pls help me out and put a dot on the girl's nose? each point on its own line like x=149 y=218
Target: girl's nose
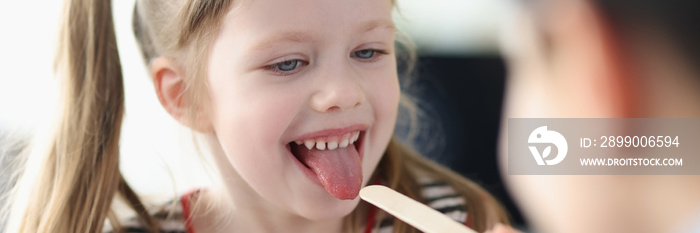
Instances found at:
x=339 y=90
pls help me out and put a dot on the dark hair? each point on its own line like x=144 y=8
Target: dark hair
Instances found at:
x=677 y=20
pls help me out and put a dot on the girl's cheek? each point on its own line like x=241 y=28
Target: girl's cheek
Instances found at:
x=384 y=82
x=389 y=91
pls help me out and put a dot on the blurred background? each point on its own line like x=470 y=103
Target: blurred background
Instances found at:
x=459 y=78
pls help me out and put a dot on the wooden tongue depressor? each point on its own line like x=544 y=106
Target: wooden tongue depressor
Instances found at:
x=410 y=211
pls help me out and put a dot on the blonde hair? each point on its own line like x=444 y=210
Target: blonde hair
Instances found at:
x=79 y=177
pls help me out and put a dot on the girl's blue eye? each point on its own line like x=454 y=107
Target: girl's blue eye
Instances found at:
x=368 y=55
x=365 y=53
x=287 y=66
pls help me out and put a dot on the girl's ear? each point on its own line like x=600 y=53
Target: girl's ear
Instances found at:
x=169 y=82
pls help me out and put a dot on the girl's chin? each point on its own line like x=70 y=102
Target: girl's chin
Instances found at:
x=325 y=210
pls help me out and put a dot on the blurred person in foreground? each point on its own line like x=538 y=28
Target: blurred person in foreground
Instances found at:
x=604 y=59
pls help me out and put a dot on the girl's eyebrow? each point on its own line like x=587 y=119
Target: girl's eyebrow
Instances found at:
x=301 y=36
x=291 y=36
x=379 y=23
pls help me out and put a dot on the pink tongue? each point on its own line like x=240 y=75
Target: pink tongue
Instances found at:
x=339 y=170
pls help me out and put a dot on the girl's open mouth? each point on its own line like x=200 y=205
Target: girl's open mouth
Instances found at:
x=336 y=160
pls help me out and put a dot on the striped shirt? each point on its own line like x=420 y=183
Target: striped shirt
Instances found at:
x=438 y=195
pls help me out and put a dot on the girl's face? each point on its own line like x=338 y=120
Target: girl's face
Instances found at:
x=312 y=72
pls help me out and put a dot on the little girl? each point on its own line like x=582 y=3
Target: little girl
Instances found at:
x=298 y=102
